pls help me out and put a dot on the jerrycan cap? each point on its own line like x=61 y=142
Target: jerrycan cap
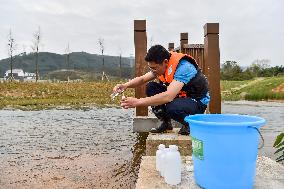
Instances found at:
x=173 y=147
x=161 y=147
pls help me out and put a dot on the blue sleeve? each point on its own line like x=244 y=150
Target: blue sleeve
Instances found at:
x=206 y=99
x=185 y=72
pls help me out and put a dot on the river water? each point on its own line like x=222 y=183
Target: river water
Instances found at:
x=272 y=112
x=91 y=148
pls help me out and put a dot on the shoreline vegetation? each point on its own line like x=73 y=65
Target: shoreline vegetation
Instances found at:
x=258 y=89
x=81 y=95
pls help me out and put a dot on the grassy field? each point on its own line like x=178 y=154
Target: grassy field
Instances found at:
x=49 y=95
x=258 y=89
x=30 y=96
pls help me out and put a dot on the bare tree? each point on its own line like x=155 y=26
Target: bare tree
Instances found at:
x=262 y=63
x=120 y=62
x=151 y=41
x=24 y=49
x=102 y=48
x=35 y=47
x=120 y=74
x=11 y=49
x=259 y=65
x=67 y=60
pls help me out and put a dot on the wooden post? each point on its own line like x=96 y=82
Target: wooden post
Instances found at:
x=171 y=47
x=183 y=41
x=140 y=42
x=212 y=63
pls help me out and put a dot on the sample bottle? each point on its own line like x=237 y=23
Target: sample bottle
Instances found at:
x=158 y=156
x=163 y=161
x=172 y=171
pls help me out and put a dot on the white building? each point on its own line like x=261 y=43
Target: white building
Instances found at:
x=19 y=74
x=30 y=76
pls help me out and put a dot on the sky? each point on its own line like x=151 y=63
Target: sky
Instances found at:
x=249 y=29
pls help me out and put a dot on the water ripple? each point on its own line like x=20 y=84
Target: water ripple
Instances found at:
x=59 y=148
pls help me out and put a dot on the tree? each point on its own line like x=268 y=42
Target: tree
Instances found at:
x=258 y=66
x=278 y=70
x=231 y=71
x=120 y=63
x=35 y=47
x=151 y=41
x=67 y=59
x=246 y=75
x=11 y=49
x=102 y=48
x=24 y=50
x=120 y=66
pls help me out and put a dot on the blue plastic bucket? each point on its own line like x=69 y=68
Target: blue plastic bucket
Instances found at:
x=224 y=149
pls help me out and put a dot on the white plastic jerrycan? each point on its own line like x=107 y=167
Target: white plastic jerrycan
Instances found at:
x=163 y=162
x=158 y=156
x=172 y=171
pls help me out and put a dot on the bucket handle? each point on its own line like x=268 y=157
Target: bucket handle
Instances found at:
x=262 y=139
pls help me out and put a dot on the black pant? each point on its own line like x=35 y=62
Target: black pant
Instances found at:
x=177 y=109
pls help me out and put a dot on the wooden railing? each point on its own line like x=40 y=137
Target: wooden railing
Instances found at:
x=207 y=56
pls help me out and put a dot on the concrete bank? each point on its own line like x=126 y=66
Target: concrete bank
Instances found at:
x=269 y=175
x=171 y=137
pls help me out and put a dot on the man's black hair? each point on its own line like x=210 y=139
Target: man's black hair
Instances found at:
x=157 y=54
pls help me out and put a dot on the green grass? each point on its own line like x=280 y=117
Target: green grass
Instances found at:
x=263 y=90
x=228 y=85
x=49 y=95
x=31 y=96
x=260 y=89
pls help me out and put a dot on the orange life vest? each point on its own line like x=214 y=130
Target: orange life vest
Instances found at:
x=175 y=58
x=172 y=66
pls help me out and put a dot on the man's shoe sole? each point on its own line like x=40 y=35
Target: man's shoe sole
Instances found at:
x=183 y=133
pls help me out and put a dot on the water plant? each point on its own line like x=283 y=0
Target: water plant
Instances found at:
x=279 y=145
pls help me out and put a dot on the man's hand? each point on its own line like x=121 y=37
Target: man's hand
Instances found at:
x=119 y=88
x=129 y=102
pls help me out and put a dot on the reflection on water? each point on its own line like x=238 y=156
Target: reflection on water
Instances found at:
x=69 y=148
x=90 y=149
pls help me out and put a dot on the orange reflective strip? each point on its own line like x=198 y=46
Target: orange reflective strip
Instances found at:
x=182 y=94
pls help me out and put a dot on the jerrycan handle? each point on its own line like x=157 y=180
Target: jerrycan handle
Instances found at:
x=262 y=139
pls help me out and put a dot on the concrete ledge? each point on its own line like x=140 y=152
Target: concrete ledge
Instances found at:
x=148 y=177
x=146 y=123
x=171 y=137
x=269 y=174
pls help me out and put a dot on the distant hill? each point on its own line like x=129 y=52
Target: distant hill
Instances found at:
x=79 y=61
